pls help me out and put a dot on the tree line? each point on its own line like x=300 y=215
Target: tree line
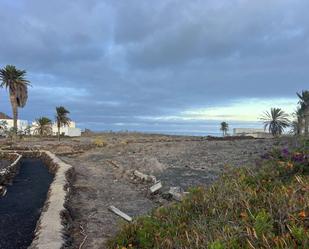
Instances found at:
x=276 y=120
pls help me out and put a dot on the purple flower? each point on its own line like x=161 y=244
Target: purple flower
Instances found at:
x=285 y=152
x=265 y=156
x=298 y=157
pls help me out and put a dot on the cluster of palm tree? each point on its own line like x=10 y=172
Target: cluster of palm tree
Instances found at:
x=43 y=125
x=277 y=120
x=15 y=81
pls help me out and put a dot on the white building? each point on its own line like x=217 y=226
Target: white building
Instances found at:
x=21 y=124
x=253 y=132
x=70 y=130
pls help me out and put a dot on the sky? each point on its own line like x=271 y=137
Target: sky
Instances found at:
x=157 y=66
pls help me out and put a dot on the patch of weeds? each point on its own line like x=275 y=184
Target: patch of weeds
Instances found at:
x=99 y=142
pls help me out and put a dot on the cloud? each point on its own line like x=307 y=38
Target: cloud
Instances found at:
x=121 y=62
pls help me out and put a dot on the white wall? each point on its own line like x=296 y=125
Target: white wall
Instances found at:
x=70 y=130
x=74 y=132
x=247 y=130
x=21 y=124
x=257 y=133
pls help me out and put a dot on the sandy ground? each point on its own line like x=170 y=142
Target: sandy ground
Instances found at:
x=104 y=176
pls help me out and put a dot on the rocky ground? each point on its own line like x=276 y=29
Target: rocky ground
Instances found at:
x=104 y=175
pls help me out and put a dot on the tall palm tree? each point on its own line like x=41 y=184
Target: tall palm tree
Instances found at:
x=224 y=128
x=14 y=79
x=276 y=121
x=298 y=122
x=43 y=126
x=304 y=106
x=62 y=118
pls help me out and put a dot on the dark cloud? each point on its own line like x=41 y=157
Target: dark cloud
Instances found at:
x=115 y=62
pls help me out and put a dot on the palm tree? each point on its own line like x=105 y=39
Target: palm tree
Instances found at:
x=224 y=128
x=297 y=124
x=304 y=107
x=43 y=126
x=62 y=118
x=295 y=127
x=14 y=79
x=276 y=121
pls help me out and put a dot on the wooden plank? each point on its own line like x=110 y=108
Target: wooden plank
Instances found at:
x=156 y=187
x=120 y=213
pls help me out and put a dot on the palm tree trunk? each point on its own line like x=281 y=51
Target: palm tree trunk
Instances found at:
x=15 y=111
x=307 y=121
x=300 y=125
x=58 y=133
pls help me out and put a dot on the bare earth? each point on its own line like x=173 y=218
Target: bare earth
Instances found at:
x=104 y=176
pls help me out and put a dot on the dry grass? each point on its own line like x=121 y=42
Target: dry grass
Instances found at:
x=99 y=142
x=266 y=207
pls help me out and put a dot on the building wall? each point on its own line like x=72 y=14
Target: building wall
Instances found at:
x=257 y=133
x=74 y=132
x=247 y=130
x=69 y=130
x=21 y=124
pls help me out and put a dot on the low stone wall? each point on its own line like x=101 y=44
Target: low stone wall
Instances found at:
x=8 y=173
x=51 y=229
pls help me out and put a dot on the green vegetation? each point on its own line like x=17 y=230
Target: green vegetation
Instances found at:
x=297 y=123
x=62 y=118
x=14 y=79
x=264 y=207
x=3 y=127
x=224 y=128
x=303 y=110
x=275 y=121
x=43 y=126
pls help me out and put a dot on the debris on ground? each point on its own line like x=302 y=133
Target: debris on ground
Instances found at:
x=120 y=213
x=156 y=187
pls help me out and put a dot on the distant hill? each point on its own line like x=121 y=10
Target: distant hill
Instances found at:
x=4 y=116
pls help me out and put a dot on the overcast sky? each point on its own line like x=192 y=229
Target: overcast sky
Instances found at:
x=164 y=65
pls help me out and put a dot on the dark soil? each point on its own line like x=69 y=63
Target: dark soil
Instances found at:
x=4 y=163
x=21 y=207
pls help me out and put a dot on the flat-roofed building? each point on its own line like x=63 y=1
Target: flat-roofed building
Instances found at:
x=69 y=130
x=252 y=132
